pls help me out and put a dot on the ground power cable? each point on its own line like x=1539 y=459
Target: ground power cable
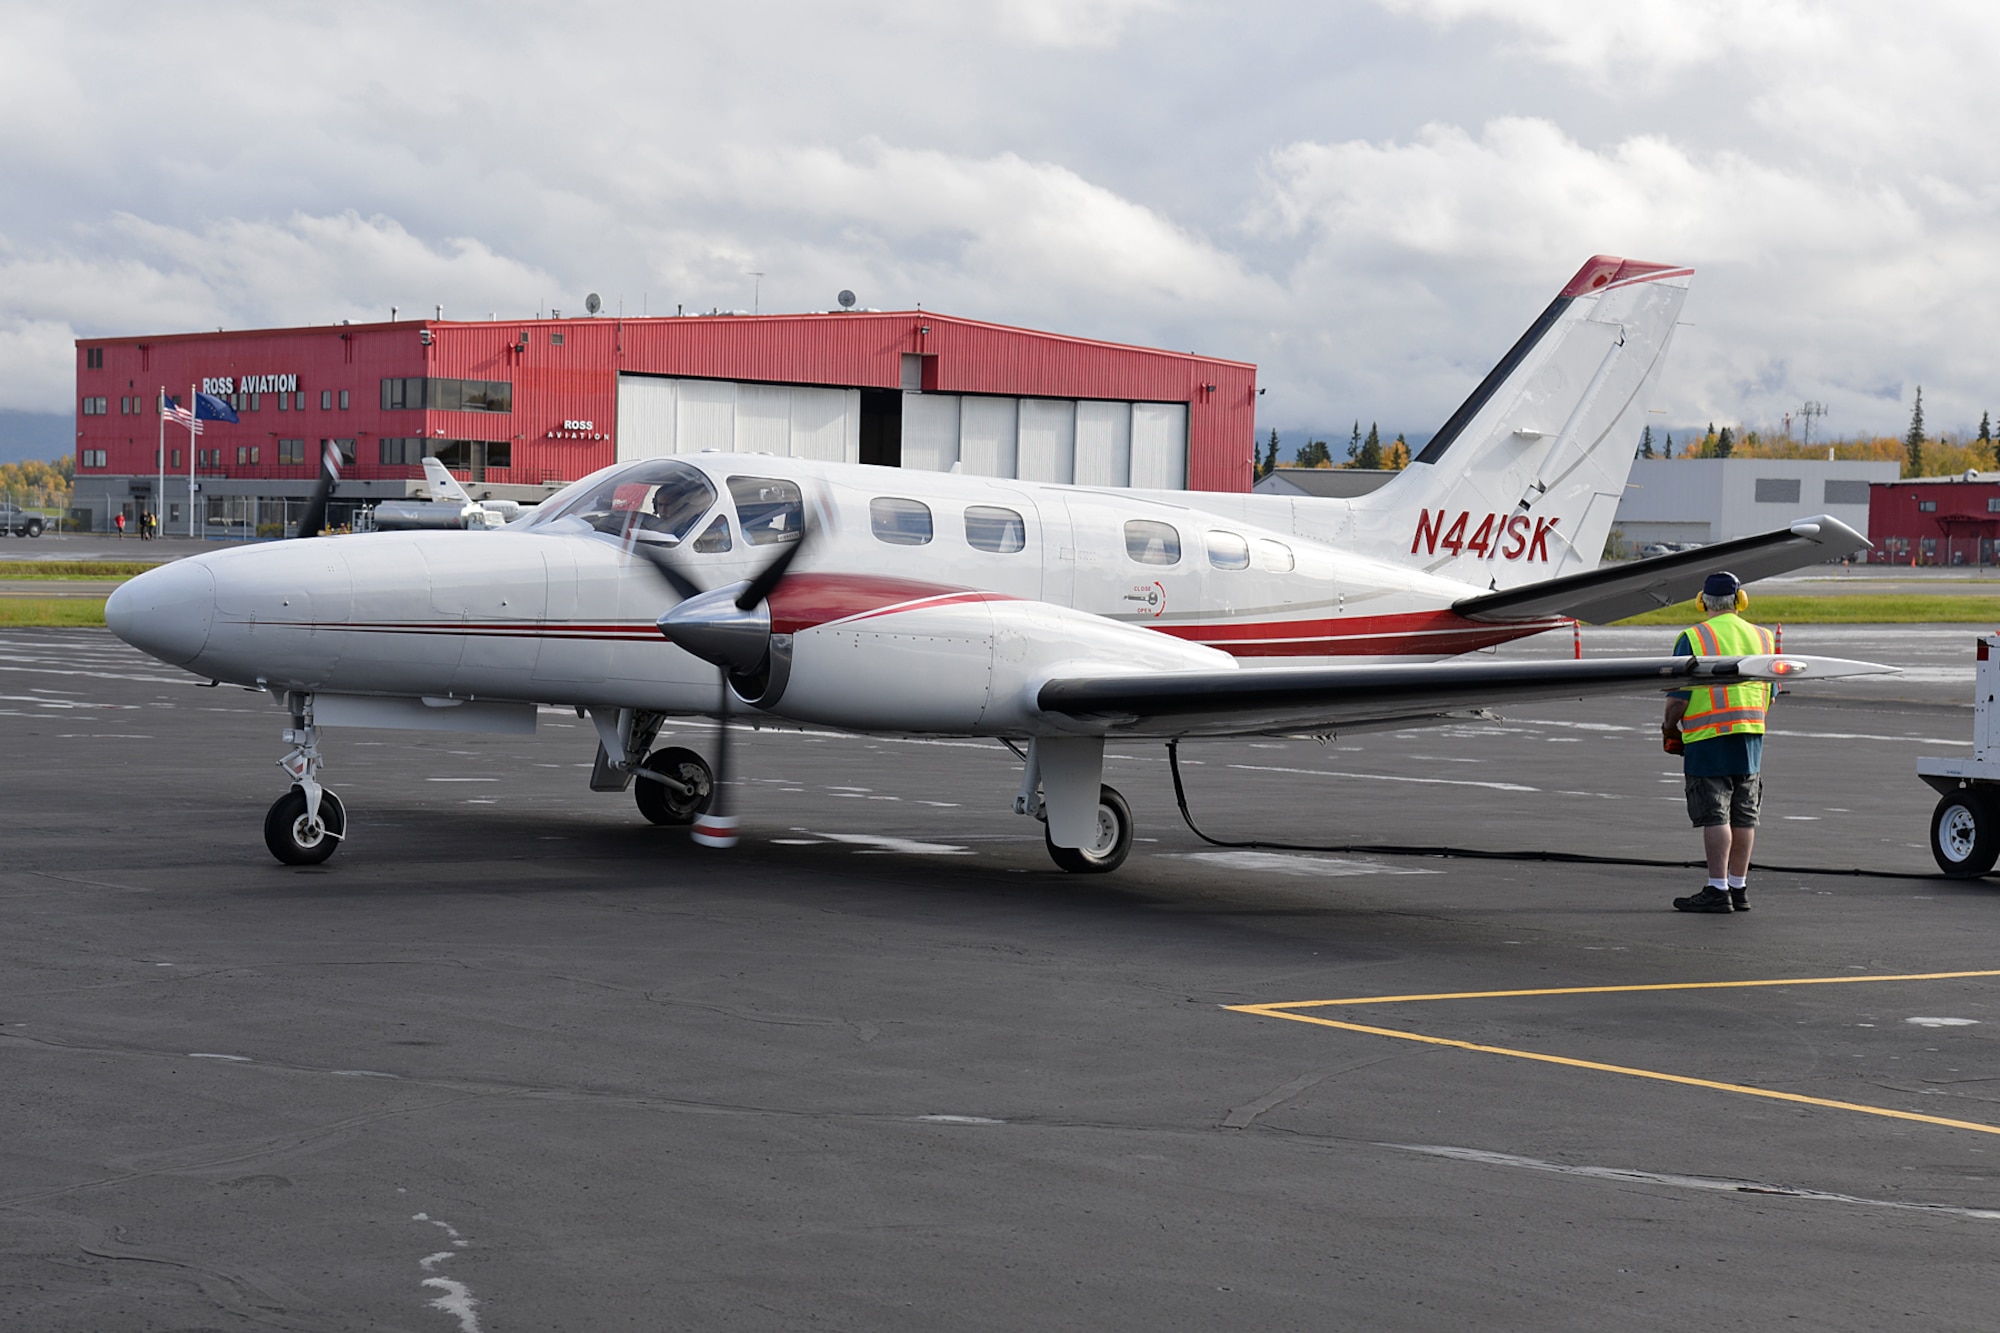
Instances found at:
x=1483 y=854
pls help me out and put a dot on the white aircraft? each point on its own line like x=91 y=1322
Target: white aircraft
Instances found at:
x=915 y=603
x=449 y=506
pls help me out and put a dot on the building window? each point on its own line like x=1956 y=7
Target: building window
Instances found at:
x=555 y=340
x=1152 y=543
x=93 y=358
x=900 y=522
x=1777 y=490
x=1845 y=493
x=284 y=402
x=255 y=450
x=1993 y=505
x=442 y=395
x=1226 y=550
x=254 y=400
x=299 y=401
x=407 y=451
x=1927 y=506
x=326 y=400
x=343 y=400
x=291 y=451
x=177 y=458
x=93 y=458
x=96 y=407
x=991 y=528
x=242 y=454
x=1929 y=549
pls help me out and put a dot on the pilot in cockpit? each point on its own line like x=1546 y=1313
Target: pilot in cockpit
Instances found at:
x=675 y=508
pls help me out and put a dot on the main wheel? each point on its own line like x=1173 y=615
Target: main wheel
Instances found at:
x=1110 y=844
x=661 y=803
x=297 y=840
x=1965 y=833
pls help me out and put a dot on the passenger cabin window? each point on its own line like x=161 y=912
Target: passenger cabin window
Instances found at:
x=1152 y=543
x=991 y=528
x=1226 y=550
x=659 y=496
x=1275 y=556
x=900 y=522
x=715 y=537
x=769 y=510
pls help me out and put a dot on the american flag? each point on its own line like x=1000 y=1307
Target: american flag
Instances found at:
x=177 y=414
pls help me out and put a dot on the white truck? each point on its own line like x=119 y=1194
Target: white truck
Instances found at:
x=1965 y=827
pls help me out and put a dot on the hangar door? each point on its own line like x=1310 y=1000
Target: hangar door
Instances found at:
x=660 y=415
x=1085 y=442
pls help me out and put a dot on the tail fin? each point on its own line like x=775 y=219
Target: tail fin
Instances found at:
x=1521 y=484
x=443 y=485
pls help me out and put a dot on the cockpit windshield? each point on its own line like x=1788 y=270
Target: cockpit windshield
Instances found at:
x=660 y=496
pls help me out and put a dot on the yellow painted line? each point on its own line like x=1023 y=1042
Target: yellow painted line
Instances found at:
x=1287 y=1009
x=1606 y=990
x=1279 y=1011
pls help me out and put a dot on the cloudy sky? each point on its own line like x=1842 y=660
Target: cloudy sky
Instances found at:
x=1368 y=198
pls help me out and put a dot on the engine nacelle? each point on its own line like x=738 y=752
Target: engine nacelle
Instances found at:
x=972 y=663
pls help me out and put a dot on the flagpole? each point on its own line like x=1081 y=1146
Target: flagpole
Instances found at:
x=160 y=495
x=194 y=423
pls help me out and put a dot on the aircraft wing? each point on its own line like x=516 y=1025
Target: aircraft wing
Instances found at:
x=1617 y=591
x=1255 y=701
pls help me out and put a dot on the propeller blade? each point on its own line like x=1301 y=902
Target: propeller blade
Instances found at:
x=662 y=560
x=769 y=576
x=715 y=826
x=314 y=518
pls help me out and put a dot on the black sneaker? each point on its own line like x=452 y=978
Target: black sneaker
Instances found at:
x=1710 y=899
x=1739 y=900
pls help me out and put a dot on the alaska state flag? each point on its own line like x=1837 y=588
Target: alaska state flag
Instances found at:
x=207 y=407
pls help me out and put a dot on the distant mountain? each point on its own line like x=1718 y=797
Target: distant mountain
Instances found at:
x=45 y=436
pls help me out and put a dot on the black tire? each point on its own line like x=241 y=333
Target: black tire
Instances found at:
x=34 y=528
x=1114 y=843
x=294 y=841
x=1965 y=833
x=662 y=804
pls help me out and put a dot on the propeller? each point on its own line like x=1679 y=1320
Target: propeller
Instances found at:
x=731 y=628
x=314 y=518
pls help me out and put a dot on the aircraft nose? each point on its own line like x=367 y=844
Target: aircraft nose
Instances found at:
x=166 y=612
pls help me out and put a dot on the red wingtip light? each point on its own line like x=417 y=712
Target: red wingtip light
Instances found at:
x=1787 y=667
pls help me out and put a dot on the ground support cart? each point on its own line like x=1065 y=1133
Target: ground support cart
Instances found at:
x=1965 y=827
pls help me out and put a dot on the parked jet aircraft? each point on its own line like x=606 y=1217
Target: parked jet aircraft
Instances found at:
x=914 y=603
x=448 y=507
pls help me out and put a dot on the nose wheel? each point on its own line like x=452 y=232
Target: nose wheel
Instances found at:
x=300 y=837
x=674 y=786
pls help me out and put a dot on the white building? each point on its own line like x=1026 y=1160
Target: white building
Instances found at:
x=1716 y=499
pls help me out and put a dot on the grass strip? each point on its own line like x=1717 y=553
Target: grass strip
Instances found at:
x=11 y=570
x=50 y=612
x=1860 y=609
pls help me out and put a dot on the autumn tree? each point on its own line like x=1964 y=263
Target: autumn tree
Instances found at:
x=1398 y=456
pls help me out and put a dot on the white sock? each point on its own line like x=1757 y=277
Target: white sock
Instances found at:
x=1737 y=882
x=1718 y=885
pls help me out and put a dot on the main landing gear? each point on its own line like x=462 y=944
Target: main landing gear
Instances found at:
x=1065 y=770
x=674 y=786
x=308 y=823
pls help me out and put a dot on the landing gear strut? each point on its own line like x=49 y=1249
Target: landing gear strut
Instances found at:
x=307 y=824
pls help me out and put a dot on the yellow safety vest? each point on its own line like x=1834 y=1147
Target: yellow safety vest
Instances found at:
x=1712 y=711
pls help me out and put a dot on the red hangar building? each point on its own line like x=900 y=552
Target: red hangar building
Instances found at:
x=1936 y=520
x=519 y=408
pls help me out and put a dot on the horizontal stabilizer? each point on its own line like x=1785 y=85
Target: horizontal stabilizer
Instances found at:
x=1618 y=591
x=1247 y=702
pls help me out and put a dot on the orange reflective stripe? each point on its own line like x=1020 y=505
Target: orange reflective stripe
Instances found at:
x=1710 y=646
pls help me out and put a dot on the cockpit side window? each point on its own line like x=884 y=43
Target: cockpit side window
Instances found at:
x=658 y=496
x=715 y=537
x=769 y=510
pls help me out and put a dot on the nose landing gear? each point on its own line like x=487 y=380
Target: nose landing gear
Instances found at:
x=307 y=824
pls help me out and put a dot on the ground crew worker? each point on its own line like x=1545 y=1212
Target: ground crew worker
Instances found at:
x=1719 y=733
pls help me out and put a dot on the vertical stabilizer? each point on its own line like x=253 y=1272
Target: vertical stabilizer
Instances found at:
x=1522 y=481
x=443 y=485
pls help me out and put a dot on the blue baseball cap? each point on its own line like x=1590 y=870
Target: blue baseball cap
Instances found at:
x=1722 y=583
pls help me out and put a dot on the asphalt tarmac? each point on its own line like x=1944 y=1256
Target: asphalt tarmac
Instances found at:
x=515 y=1059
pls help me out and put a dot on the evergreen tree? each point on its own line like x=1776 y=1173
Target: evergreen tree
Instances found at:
x=1668 y=452
x=1646 y=443
x=1913 y=442
x=1370 y=456
x=1986 y=434
x=1398 y=456
x=1313 y=453
x=1354 y=442
x=1725 y=443
x=1269 y=462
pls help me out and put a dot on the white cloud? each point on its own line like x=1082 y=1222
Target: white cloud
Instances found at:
x=1073 y=23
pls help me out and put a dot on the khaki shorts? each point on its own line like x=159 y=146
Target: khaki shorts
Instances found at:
x=1730 y=800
